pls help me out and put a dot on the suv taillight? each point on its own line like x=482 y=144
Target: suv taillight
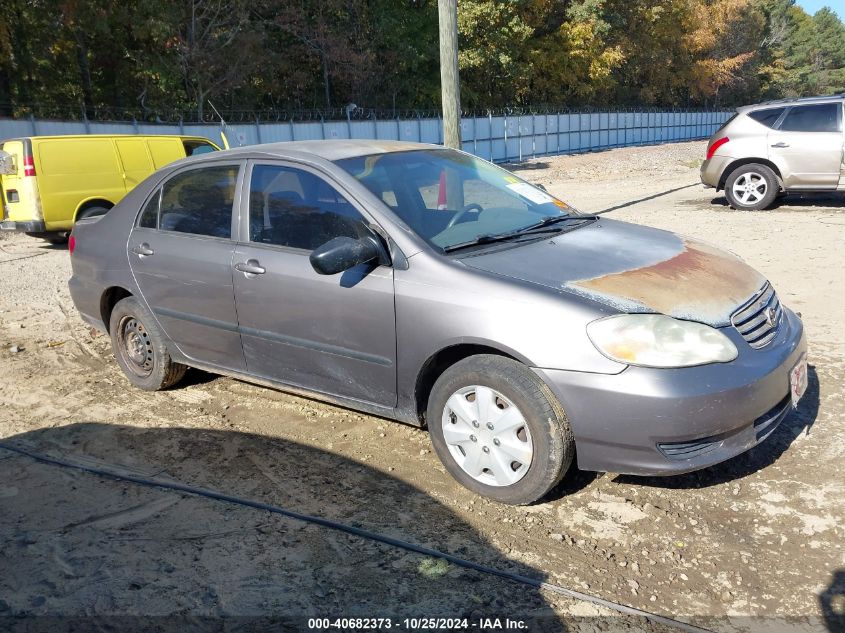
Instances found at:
x=716 y=145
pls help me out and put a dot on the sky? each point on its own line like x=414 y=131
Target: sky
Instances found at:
x=811 y=6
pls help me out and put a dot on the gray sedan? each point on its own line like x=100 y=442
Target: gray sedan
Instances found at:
x=425 y=285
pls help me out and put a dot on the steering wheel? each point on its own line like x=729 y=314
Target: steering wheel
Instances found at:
x=463 y=212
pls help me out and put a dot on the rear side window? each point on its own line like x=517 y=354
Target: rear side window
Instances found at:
x=767 y=117
x=199 y=201
x=295 y=208
x=822 y=117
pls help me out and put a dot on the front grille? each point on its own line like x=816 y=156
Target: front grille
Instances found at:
x=758 y=320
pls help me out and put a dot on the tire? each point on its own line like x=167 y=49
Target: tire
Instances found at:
x=502 y=383
x=751 y=187
x=139 y=348
x=91 y=212
x=53 y=237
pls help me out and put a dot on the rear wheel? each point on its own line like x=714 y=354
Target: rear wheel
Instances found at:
x=139 y=347
x=499 y=430
x=91 y=212
x=751 y=187
x=54 y=237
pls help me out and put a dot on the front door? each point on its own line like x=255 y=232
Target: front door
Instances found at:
x=807 y=146
x=136 y=161
x=181 y=255
x=333 y=334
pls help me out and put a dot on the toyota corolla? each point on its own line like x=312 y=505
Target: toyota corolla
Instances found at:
x=425 y=285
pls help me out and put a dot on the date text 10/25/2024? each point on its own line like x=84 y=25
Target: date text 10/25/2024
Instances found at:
x=417 y=624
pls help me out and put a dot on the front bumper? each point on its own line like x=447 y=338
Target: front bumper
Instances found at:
x=32 y=226
x=712 y=170
x=646 y=421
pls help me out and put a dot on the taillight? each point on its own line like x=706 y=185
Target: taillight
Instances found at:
x=716 y=145
x=28 y=166
x=71 y=244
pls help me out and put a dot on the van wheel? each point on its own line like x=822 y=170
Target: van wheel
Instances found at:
x=139 y=347
x=499 y=430
x=751 y=187
x=91 y=212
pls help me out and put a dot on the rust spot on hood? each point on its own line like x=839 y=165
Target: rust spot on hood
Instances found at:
x=701 y=283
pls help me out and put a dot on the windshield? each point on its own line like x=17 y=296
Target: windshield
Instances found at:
x=449 y=198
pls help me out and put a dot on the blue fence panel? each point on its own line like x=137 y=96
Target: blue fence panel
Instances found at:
x=496 y=138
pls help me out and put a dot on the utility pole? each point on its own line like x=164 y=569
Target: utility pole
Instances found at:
x=450 y=87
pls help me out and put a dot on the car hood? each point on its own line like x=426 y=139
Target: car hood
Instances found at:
x=633 y=268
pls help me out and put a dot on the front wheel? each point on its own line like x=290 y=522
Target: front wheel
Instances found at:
x=751 y=187
x=499 y=430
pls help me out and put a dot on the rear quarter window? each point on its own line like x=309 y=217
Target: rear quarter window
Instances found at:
x=767 y=117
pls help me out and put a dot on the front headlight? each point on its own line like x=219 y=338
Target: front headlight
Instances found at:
x=657 y=340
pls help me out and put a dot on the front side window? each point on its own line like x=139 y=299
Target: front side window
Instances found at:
x=195 y=148
x=450 y=198
x=822 y=117
x=294 y=208
x=199 y=201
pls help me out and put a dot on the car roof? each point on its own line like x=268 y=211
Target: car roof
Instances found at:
x=792 y=101
x=335 y=149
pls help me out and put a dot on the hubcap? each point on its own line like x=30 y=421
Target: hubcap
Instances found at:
x=487 y=436
x=750 y=188
x=135 y=346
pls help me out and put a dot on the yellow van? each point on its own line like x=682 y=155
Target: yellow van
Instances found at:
x=50 y=182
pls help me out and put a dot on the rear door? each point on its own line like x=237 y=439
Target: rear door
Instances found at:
x=807 y=146
x=181 y=252
x=18 y=204
x=333 y=334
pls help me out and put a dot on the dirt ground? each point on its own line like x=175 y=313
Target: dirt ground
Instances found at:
x=754 y=544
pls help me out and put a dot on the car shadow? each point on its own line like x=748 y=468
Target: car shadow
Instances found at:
x=84 y=551
x=832 y=602
x=764 y=454
x=832 y=199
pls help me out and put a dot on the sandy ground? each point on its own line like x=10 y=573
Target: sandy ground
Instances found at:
x=754 y=544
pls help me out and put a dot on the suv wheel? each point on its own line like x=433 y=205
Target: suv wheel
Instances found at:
x=499 y=430
x=751 y=187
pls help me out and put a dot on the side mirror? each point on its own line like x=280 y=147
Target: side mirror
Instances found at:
x=342 y=253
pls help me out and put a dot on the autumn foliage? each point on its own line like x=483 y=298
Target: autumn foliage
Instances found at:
x=151 y=56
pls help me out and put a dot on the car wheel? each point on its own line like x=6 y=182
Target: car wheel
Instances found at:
x=499 y=430
x=91 y=212
x=139 y=347
x=751 y=187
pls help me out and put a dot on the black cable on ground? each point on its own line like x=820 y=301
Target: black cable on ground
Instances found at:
x=115 y=473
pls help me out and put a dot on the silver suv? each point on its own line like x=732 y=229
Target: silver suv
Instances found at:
x=777 y=147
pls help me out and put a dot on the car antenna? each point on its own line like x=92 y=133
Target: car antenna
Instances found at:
x=222 y=126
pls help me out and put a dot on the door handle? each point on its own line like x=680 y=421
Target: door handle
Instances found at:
x=143 y=250
x=250 y=267
x=781 y=144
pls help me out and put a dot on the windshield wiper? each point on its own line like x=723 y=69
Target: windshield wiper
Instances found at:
x=543 y=226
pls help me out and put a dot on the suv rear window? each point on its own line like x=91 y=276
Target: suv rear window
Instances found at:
x=767 y=117
x=821 y=117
